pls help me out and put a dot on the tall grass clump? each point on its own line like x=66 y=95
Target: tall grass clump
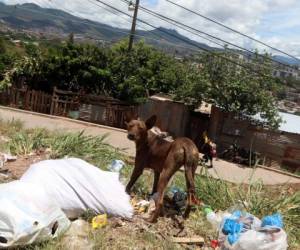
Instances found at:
x=90 y=148
x=25 y=142
x=93 y=149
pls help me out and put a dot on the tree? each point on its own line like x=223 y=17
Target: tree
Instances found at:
x=130 y=77
x=143 y=71
x=2 y=46
x=6 y=61
x=71 y=38
x=234 y=88
x=31 y=49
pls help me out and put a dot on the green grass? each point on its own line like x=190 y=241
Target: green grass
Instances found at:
x=58 y=144
x=220 y=195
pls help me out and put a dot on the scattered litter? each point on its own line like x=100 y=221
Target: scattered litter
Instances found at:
x=191 y=240
x=116 y=166
x=5 y=176
x=268 y=239
x=140 y=206
x=99 y=221
x=176 y=199
x=77 y=237
x=6 y=158
x=77 y=186
x=274 y=220
x=151 y=207
x=239 y=230
x=28 y=215
x=214 y=219
x=143 y=206
x=214 y=244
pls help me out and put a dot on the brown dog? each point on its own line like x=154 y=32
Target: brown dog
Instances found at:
x=165 y=158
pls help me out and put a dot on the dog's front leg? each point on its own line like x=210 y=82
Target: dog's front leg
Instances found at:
x=137 y=171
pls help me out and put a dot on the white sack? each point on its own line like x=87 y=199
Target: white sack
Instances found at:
x=28 y=215
x=77 y=186
x=255 y=240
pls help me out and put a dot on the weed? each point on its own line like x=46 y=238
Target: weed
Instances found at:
x=25 y=142
x=89 y=148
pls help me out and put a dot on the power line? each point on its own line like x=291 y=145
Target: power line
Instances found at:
x=142 y=21
x=205 y=38
x=190 y=42
x=176 y=23
x=234 y=30
x=163 y=31
x=116 y=13
x=163 y=40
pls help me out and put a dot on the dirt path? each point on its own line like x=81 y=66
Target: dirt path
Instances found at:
x=117 y=138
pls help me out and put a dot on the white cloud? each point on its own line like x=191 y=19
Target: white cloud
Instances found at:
x=247 y=16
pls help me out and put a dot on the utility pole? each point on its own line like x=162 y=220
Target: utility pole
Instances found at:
x=131 y=37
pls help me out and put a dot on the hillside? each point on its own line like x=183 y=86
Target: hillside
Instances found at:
x=47 y=22
x=53 y=22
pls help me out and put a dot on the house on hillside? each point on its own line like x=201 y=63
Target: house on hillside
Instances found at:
x=285 y=72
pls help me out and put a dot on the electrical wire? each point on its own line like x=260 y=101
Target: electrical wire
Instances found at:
x=234 y=30
x=179 y=24
x=191 y=43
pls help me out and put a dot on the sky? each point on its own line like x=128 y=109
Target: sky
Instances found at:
x=275 y=22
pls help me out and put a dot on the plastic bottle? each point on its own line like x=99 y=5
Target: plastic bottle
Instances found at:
x=213 y=218
x=116 y=165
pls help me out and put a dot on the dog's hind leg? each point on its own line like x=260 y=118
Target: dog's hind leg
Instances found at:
x=155 y=182
x=190 y=184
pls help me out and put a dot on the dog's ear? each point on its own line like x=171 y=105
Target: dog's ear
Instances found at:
x=129 y=116
x=151 y=122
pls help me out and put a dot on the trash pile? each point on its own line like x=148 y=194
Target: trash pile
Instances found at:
x=239 y=230
x=39 y=205
x=174 y=200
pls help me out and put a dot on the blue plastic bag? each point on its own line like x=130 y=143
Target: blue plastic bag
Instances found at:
x=274 y=220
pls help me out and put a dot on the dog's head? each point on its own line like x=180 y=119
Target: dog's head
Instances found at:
x=137 y=129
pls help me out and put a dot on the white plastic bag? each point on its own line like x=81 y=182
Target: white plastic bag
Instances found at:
x=27 y=215
x=76 y=186
x=271 y=239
